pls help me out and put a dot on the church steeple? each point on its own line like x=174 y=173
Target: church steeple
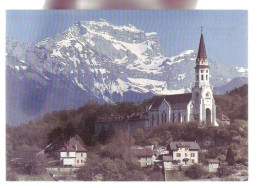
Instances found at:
x=202 y=49
x=202 y=67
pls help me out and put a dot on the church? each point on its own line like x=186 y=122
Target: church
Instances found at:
x=196 y=106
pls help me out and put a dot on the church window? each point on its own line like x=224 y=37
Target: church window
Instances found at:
x=162 y=118
x=202 y=78
x=173 y=117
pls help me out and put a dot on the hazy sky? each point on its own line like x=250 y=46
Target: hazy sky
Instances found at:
x=225 y=32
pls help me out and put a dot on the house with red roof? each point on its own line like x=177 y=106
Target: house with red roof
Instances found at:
x=73 y=154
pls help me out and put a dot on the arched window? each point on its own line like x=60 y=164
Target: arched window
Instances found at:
x=173 y=118
x=162 y=118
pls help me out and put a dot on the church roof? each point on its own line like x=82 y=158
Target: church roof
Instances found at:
x=202 y=49
x=175 y=101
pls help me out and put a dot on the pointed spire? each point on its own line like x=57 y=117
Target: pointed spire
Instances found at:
x=202 y=49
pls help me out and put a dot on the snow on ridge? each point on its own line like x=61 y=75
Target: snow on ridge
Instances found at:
x=241 y=69
x=187 y=52
x=146 y=82
x=79 y=84
x=151 y=34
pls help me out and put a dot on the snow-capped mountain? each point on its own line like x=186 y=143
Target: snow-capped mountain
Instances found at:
x=98 y=61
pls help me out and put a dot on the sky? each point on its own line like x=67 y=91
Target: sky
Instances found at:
x=225 y=31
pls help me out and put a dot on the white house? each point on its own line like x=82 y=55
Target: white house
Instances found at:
x=184 y=153
x=73 y=154
x=197 y=105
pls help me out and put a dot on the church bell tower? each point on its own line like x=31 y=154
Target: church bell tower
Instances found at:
x=204 y=108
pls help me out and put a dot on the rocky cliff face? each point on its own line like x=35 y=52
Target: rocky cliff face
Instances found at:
x=97 y=61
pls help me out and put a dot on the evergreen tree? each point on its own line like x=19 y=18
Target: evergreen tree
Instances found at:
x=230 y=156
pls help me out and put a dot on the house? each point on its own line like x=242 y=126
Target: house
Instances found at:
x=224 y=119
x=199 y=105
x=145 y=156
x=167 y=162
x=73 y=154
x=184 y=153
x=212 y=165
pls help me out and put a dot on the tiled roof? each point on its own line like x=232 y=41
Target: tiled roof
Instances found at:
x=116 y=118
x=176 y=101
x=143 y=152
x=191 y=145
x=167 y=158
x=202 y=49
x=73 y=145
x=213 y=161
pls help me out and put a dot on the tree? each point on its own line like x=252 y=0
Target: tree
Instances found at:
x=194 y=171
x=230 y=158
x=29 y=160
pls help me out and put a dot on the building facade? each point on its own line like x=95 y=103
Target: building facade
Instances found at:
x=73 y=154
x=129 y=123
x=184 y=153
x=198 y=105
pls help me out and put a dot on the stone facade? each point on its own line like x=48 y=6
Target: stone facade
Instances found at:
x=129 y=123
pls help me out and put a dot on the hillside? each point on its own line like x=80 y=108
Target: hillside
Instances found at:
x=53 y=129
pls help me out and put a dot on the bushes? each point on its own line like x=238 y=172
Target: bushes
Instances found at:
x=195 y=171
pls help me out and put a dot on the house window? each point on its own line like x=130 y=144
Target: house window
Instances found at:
x=206 y=77
x=202 y=77
x=68 y=154
x=186 y=149
x=186 y=154
x=77 y=161
x=202 y=71
x=178 y=155
x=192 y=154
x=81 y=161
x=207 y=71
x=192 y=160
x=81 y=154
x=173 y=117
